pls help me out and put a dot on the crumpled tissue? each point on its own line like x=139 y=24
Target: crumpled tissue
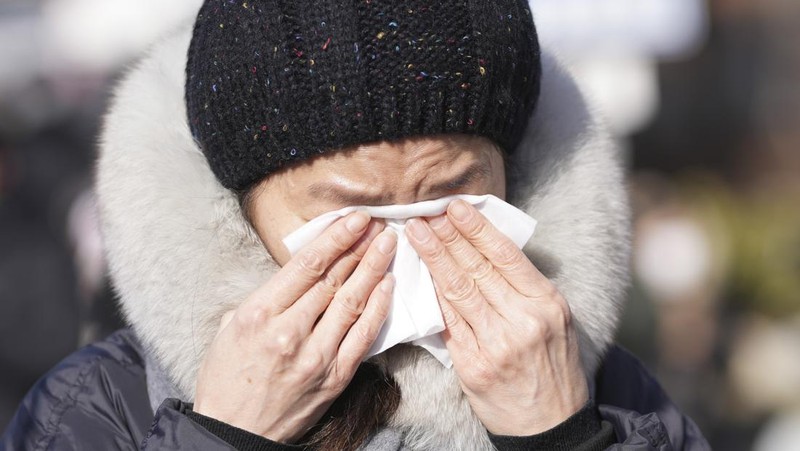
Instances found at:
x=415 y=315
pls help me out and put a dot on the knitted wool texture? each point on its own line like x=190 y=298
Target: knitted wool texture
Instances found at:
x=274 y=82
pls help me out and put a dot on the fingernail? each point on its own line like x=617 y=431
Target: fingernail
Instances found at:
x=417 y=230
x=437 y=222
x=387 y=284
x=357 y=221
x=387 y=242
x=459 y=210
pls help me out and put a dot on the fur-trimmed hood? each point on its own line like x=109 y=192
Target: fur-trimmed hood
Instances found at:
x=181 y=253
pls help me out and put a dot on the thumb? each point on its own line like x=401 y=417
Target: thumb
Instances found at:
x=225 y=320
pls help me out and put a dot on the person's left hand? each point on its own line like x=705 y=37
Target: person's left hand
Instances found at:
x=509 y=331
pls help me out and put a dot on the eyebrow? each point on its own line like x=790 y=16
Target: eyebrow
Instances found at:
x=336 y=193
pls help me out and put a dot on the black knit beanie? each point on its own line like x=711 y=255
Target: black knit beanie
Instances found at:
x=272 y=82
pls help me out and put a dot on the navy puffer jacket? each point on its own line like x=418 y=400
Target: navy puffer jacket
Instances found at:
x=97 y=399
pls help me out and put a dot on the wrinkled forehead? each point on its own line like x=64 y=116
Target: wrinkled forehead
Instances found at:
x=439 y=163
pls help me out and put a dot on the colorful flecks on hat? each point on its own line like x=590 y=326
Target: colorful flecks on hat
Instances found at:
x=274 y=82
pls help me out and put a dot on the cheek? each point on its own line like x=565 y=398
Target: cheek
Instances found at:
x=272 y=225
x=273 y=244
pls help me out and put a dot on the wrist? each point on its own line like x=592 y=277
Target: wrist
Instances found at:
x=534 y=419
x=251 y=421
x=582 y=430
x=237 y=437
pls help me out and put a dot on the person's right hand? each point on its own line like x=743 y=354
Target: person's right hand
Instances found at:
x=283 y=356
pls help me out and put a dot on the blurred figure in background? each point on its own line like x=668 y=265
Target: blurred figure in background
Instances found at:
x=47 y=154
x=59 y=59
x=723 y=153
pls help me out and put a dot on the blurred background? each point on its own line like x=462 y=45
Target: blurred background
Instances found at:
x=703 y=94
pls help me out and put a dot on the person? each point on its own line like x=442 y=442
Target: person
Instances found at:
x=234 y=133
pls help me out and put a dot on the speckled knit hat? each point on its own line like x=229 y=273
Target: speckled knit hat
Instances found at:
x=277 y=81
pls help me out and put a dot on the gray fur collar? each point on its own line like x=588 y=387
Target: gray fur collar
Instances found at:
x=181 y=254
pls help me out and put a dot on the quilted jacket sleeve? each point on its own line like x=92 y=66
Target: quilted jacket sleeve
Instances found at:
x=644 y=417
x=96 y=399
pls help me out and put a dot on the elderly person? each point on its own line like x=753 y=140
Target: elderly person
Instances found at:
x=231 y=136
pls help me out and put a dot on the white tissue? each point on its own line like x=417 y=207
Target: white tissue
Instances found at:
x=415 y=315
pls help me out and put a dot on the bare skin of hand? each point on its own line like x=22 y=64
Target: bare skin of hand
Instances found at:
x=509 y=330
x=282 y=357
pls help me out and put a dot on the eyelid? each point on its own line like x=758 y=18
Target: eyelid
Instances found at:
x=473 y=180
x=459 y=183
x=317 y=212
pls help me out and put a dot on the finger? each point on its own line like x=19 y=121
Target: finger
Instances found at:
x=349 y=302
x=458 y=336
x=314 y=301
x=306 y=268
x=455 y=286
x=493 y=286
x=498 y=249
x=364 y=332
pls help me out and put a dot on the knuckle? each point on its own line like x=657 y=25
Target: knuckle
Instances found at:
x=284 y=344
x=507 y=256
x=311 y=364
x=482 y=377
x=478 y=228
x=307 y=317
x=459 y=288
x=480 y=268
x=312 y=262
x=342 y=239
x=560 y=314
x=350 y=305
x=337 y=381
x=548 y=293
x=450 y=317
x=438 y=253
x=375 y=264
x=330 y=283
x=460 y=334
x=502 y=353
x=537 y=329
x=449 y=236
x=366 y=333
x=253 y=318
x=505 y=350
x=358 y=250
